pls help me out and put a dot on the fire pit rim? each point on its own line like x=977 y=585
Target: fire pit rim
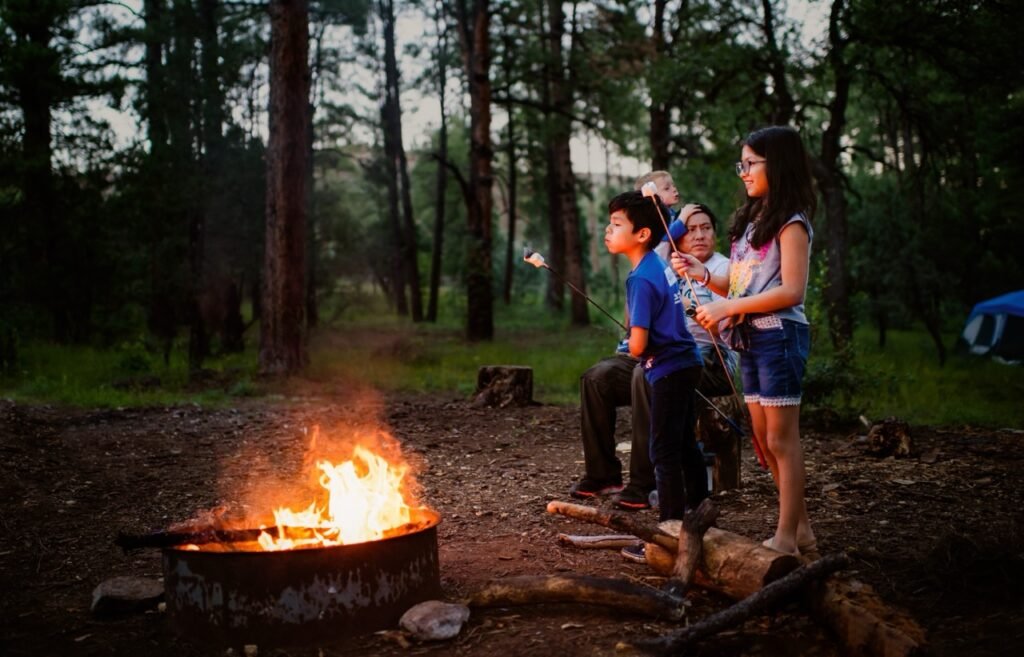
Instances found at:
x=429 y=518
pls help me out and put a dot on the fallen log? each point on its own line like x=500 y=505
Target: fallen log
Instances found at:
x=614 y=593
x=732 y=564
x=770 y=597
x=615 y=520
x=598 y=542
x=861 y=621
x=864 y=624
x=691 y=542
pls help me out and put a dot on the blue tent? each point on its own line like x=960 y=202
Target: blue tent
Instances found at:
x=996 y=327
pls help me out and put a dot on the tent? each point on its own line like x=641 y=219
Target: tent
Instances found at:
x=996 y=328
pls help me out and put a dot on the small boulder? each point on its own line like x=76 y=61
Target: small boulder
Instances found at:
x=434 y=620
x=121 y=595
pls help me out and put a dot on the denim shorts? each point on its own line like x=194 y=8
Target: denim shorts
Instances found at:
x=772 y=367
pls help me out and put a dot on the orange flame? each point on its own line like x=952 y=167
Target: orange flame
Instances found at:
x=364 y=502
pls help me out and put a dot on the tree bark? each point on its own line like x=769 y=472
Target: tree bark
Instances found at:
x=659 y=110
x=510 y=150
x=829 y=173
x=474 y=32
x=564 y=215
x=282 y=326
x=441 y=185
x=398 y=165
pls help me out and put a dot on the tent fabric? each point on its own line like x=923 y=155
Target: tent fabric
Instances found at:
x=1011 y=303
x=996 y=327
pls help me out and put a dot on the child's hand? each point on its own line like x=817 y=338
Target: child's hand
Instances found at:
x=713 y=312
x=684 y=263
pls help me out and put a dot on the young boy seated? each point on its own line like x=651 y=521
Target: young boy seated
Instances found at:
x=667 y=352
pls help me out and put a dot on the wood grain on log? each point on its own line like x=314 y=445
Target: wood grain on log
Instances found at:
x=615 y=593
x=599 y=542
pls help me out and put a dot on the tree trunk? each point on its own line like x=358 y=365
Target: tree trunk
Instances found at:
x=510 y=149
x=282 y=329
x=828 y=171
x=565 y=217
x=441 y=186
x=659 y=110
x=476 y=50
x=783 y=105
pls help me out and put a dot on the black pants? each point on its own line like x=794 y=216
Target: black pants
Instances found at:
x=611 y=383
x=678 y=463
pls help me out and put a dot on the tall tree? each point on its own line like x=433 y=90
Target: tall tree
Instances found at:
x=474 y=22
x=564 y=213
x=398 y=165
x=441 y=184
x=282 y=325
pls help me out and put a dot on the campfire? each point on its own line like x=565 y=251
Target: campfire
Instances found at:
x=348 y=561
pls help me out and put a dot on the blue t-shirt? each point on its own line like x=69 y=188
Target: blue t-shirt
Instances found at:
x=654 y=303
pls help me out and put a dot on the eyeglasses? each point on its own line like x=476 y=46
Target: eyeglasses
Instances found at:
x=744 y=166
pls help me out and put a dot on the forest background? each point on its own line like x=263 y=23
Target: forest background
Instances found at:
x=271 y=179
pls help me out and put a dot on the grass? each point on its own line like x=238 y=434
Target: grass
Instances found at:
x=905 y=379
x=122 y=377
x=394 y=354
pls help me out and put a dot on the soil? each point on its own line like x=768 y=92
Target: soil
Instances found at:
x=938 y=533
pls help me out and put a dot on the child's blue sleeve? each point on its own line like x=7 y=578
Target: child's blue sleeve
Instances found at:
x=638 y=300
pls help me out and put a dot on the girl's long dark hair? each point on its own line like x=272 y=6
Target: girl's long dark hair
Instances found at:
x=790 y=185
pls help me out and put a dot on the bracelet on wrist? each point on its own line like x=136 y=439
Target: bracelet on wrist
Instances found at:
x=707 y=276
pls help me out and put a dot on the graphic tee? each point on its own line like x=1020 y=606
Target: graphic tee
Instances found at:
x=655 y=304
x=753 y=271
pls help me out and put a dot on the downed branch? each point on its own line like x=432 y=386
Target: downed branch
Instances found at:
x=615 y=593
x=768 y=598
x=615 y=520
x=691 y=541
x=598 y=542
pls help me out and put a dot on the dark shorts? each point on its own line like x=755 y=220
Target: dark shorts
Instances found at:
x=772 y=367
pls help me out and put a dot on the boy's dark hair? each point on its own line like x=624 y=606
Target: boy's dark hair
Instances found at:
x=642 y=213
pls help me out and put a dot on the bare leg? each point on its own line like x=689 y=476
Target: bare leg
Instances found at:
x=759 y=426
x=783 y=438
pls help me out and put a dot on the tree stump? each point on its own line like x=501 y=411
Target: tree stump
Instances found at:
x=719 y=438
x=503 y=385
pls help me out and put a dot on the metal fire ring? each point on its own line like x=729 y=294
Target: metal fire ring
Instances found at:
x=300 y=597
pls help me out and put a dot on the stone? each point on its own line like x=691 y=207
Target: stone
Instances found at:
x=434 y=620
x=121 y=595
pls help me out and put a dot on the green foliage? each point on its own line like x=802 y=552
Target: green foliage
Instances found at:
x=128 y=375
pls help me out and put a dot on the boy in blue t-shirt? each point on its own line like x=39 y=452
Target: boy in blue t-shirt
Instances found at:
x=667 y=352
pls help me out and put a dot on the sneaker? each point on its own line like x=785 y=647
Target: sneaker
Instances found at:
x=633 y=499
x=586 y=488
x=635 y=553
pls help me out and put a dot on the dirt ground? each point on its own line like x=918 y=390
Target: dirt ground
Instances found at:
x=938 y=533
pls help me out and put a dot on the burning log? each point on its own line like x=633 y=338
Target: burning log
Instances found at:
x=503 y=385
x=770 y=597
x=614 y=593
x=732 y=564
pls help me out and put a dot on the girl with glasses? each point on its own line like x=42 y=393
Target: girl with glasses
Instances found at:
x=771 y=238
